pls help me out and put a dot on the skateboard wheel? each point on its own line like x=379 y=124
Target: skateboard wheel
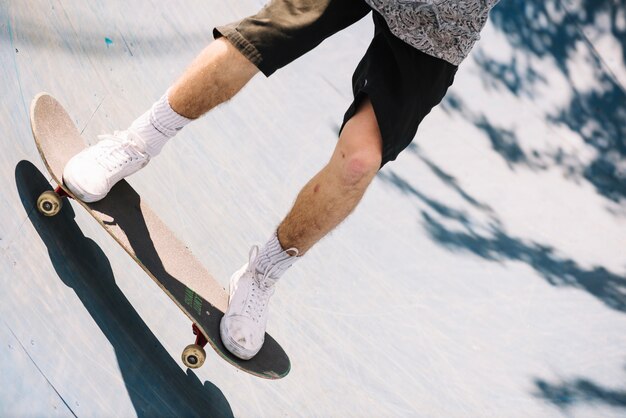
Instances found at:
x=49 y=203
x=193 y=356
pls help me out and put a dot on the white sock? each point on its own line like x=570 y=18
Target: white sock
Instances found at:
x=271 y=254
x=158 y=125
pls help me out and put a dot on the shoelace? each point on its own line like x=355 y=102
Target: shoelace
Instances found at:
x=261 y=289
x=122 y=151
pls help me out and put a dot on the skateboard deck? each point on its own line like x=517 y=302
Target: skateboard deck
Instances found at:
x=129 y=220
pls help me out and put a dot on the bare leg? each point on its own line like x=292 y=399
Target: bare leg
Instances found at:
x=331 y=195
x=218 y=73
x=214 y=77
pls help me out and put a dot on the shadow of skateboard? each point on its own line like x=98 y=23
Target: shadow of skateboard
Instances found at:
x=150 y=243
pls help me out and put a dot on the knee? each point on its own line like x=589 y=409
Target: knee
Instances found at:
x=360 y=167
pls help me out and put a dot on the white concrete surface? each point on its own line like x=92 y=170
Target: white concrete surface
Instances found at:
x=484 y=274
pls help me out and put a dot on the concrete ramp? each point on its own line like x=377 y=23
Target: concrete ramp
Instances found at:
x=484 y=273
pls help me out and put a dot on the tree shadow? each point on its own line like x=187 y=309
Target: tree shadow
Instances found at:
x=543 y=35
x=600 y=117
x=566 y=394
x=550 y=30
x=445 y=178
x=459 y=230
x=493 y=243
x=155 y=382
x=503 y=140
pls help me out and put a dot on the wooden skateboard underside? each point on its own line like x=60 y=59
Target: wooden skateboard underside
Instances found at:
x=149 y=242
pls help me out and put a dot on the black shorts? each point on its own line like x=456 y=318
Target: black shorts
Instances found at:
x=402 y=83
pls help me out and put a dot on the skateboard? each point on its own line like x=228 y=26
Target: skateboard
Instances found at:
x=165 y=259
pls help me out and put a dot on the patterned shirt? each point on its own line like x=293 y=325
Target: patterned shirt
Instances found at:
x=446 y=29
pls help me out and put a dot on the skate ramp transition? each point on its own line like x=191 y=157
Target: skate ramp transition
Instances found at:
x=483 y=274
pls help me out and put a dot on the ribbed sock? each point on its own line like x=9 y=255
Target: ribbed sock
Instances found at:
x=271 y=254
x=158 y=125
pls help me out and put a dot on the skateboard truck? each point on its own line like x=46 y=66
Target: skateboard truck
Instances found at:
x=194 y=355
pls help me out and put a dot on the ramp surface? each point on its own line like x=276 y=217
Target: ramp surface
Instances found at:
x=482 y=275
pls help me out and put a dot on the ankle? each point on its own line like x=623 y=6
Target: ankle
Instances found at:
x=158 y=125
x=273 y=259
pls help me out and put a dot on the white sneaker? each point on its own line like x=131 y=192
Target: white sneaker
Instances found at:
x=243 y=326
x=91 y=173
